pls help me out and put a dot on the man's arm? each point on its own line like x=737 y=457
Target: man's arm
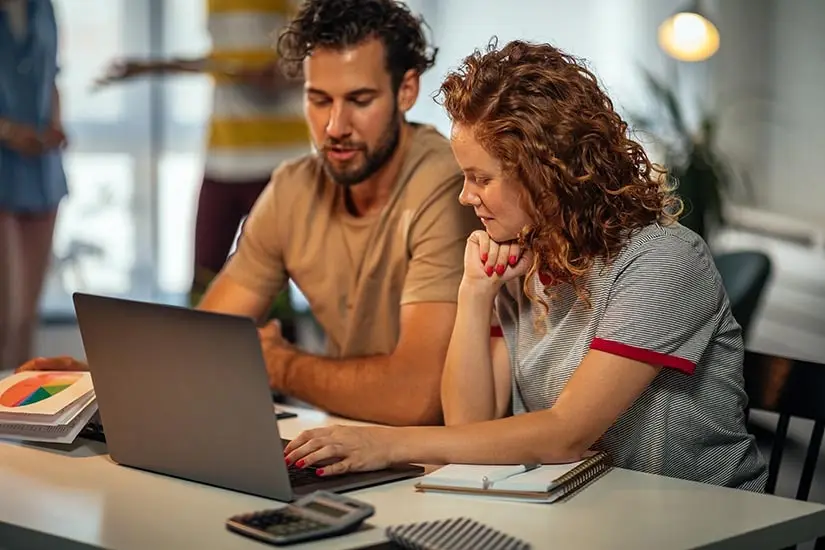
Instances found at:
x=397 y=389
x=125 y=69
x=226 y=296
x=267 y=78
x=402 y=388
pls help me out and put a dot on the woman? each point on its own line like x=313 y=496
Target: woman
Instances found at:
x=617 y=332
x=32 y=181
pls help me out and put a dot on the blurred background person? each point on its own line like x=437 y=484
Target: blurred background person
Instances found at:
x=256 y=123
x=32 y=179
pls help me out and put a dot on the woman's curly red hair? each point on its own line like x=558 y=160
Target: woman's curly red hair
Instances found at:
x=542 y=115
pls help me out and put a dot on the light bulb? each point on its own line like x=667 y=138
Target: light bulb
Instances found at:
x=688 y=36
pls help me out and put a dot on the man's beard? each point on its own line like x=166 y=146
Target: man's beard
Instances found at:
x=373 y=160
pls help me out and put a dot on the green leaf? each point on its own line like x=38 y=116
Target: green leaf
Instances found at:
x=667 y=97
x=706 y=176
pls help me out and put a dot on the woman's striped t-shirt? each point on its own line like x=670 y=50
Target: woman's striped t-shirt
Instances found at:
x=661 y=301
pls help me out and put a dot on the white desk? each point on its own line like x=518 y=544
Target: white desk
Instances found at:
x=84 y=500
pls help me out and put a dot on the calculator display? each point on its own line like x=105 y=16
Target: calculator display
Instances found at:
x=326 y=510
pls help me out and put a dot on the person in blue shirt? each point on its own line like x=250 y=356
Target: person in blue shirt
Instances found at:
x=32 y=179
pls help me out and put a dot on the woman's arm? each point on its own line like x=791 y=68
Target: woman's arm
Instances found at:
x=21 y=138
x=600 y=390
x=57 y=115
x=475 y=384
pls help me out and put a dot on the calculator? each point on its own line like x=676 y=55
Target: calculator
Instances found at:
x=318 y=515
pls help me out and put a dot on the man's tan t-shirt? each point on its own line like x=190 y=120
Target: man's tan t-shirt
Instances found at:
x=356 y=273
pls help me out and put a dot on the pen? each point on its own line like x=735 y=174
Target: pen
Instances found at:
x=505 y=472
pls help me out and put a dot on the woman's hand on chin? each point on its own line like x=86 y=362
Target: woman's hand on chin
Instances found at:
x=489 y=264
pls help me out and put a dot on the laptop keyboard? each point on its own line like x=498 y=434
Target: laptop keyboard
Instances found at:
x=302 y=476
x=298 y=477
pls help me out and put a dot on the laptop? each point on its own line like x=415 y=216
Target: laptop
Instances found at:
x=185 y=393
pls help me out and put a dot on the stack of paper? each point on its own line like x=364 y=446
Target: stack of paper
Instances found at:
x=46 y=405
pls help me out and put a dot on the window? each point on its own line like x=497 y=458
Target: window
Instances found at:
x=103 y=233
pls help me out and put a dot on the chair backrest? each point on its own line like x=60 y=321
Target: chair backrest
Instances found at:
x=790 y=387
x=745 y=275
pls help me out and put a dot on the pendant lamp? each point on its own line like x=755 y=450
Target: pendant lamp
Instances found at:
x=689 y=34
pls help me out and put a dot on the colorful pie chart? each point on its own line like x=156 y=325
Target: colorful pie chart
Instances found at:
x=37 y=388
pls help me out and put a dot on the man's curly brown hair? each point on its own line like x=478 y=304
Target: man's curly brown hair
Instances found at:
x=541 y=113
x=340 y=24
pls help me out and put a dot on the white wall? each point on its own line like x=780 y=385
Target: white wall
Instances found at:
x=796 y=143
x=742 y=82
x=613 y=36
x=772 y=60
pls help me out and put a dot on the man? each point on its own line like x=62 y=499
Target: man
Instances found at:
x=255 y=125
x=369 y=227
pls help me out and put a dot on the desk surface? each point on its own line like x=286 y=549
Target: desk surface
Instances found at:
x=80 y=497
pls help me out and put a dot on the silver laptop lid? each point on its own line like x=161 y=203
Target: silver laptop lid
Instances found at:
x=184 y=393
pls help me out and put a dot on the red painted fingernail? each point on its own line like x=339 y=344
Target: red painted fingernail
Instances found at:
x=500 y=269
x=319 y=471
x=513 y=260
x=287 y=461
x=300 y=463
x=484 y=258
x=489 y=270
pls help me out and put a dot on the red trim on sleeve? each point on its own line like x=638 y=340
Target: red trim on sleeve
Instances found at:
x=643 y=355
x=495 y=332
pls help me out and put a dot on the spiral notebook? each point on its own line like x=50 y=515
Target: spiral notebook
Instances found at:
x=545 y=483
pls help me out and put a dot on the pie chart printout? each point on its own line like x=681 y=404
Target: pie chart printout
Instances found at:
x=37 y=388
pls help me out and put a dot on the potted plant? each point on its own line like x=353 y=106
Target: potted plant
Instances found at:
x=704 y=175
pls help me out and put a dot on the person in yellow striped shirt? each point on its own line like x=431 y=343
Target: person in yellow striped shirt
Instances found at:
x=256 y=123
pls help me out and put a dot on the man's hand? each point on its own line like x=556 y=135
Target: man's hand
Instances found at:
x=122 y=69
x=23 y=139
x=53 y=363
x=277 y=352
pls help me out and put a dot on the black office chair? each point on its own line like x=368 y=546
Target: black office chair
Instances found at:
x=745 y=275
x=790 y=388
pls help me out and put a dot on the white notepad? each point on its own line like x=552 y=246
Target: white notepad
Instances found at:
x=477 y=476
x=545 y=483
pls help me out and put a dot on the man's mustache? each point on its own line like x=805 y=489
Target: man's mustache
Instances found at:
x=344 y=146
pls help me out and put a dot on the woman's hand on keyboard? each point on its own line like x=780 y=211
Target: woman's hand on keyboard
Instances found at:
x=352 y=448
